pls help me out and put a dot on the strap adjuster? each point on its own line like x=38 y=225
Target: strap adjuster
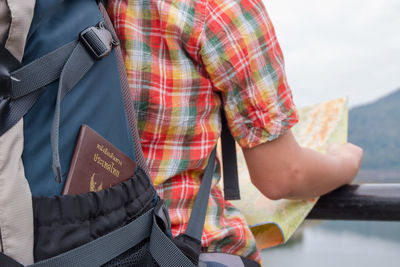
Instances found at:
x=8 y=63
x=98 y=40
x=162 y=217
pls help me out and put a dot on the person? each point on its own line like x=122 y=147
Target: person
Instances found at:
x=180 y=56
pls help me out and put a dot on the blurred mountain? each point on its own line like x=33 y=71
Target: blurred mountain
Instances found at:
x=376 y=128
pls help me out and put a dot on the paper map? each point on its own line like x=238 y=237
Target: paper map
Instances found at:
x=274 y=222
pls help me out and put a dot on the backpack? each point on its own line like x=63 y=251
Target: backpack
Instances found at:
x=72 y=74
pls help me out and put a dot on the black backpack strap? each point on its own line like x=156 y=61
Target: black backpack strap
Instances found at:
x=229 y=162
x=6 y=261
x=8 y=63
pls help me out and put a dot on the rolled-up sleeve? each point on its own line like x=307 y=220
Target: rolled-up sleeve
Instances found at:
x=244 y=61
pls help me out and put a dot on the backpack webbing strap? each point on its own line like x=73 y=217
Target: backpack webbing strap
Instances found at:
x=229 y=162
x=69 y=63
x=77 y=65
x=41 y=71
x=231 y=183
x=8 y=63
x=29 y=81
x=196 y=222
x=164 y=251
x=195 y=225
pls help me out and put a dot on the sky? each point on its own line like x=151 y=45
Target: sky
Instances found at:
x=339 y=48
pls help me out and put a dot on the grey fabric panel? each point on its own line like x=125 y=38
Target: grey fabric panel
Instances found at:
x=222 y=258
x=16 y=224
x=164 y=251
x=5 y=21
x=105 y=248
x=197 y=217
x=16 y=215
x=21 y=16
x=130 y=110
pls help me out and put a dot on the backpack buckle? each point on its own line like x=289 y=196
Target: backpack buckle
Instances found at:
x=98 y=40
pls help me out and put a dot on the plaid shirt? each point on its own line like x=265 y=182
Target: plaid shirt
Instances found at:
x=179 y=54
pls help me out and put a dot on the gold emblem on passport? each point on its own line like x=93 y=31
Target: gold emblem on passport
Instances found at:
x=94 y=187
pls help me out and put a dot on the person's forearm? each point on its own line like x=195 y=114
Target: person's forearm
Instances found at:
x=319 y=174
x=283 y=169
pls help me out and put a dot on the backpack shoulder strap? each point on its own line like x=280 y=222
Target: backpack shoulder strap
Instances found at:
x=231 y=184
x=229 y=162
x=197 y=218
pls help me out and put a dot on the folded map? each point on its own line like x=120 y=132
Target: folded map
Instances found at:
x=274 y=222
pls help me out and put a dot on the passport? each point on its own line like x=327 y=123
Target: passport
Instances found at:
x=96 y=164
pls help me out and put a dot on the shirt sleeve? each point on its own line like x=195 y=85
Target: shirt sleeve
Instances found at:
x=244 y=61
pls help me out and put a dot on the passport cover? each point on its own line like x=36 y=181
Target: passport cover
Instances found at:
x=96 y=164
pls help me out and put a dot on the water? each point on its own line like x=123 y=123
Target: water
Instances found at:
x=339 y=243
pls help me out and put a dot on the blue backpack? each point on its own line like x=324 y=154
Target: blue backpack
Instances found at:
x=72 y=74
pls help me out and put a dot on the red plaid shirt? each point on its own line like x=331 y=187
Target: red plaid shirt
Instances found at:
x=179 y=54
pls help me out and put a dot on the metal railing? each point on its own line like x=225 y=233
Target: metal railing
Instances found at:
x=369 y=202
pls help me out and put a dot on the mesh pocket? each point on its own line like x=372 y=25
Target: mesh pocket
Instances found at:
x=138 y=256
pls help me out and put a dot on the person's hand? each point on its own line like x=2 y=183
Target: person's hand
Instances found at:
x=350 y=156
x=283 y=169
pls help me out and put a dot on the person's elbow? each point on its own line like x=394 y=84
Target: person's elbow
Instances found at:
x=279 y=184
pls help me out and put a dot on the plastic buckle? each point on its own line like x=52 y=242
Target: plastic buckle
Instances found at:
x=98 y=40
